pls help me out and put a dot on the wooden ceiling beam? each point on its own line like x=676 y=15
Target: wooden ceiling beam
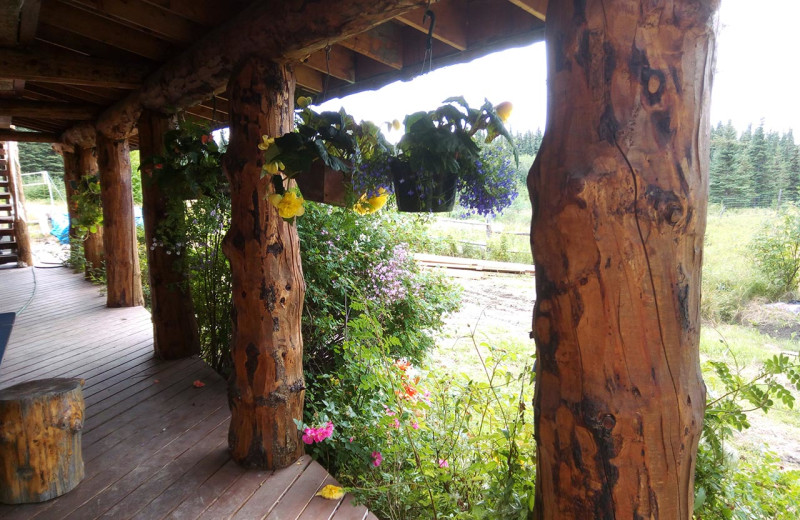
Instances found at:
x=29 y=137
x=537 y=8
x=204 y=12
x=71 y=69
x=279 y=30
x=145 y=16
x=309 y=78
x=450 y=26
x=340 y=65
x=47 y=110
x=103 y=30
x=383 y=44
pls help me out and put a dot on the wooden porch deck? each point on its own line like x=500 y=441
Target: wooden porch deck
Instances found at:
x=154 y=446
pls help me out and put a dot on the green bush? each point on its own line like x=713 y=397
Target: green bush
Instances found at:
x=776 y=251
x=418 y=443
x=345 y=254
x=750 y=487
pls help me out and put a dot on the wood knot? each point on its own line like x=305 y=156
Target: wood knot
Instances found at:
x=608 y=422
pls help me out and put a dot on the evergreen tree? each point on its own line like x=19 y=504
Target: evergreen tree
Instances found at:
x=730 y=180
x=764 y=180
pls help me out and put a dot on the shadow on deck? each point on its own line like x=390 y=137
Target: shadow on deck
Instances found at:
x=154 y=446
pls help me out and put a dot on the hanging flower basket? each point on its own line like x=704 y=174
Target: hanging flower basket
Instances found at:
x=321 y=183
x=429 y=193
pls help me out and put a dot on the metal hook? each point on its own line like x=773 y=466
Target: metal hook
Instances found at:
x=328 y=72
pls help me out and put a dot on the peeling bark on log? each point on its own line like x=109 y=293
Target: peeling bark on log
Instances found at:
x=40 y=440
x=93 y=242
x=123 y=278
x=175 y=333
x=266 y=388
x=619 y=193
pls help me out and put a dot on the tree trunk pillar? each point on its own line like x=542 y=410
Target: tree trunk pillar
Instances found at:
x=175 y=332
x=123 y=279
x=71 y=177
x=266 y=388
x=619 y=193
x=93 y=242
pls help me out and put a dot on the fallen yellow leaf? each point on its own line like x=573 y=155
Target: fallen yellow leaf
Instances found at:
x=331 y=492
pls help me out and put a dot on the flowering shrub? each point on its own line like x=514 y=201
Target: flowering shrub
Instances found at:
x=345 y=254
x=415 y=443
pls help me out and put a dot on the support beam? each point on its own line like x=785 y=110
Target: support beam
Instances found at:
x=71 y=177
x=537 y=8
x=175 y=332
x=29 y=137
x=47 y=110
x=619 y=193
x=93 y=251
x=72 y=69
x=266 y=388
x=340 y=63
x=123 y=278
x=192 y=77
x=383 y=44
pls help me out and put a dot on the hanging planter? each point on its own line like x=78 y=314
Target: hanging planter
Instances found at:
x=431 y=193
x=321 y=183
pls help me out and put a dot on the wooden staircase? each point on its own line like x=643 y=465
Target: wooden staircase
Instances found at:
x=8 y=243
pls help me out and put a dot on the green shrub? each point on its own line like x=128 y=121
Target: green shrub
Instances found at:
x=750 y=487
x=776 y=251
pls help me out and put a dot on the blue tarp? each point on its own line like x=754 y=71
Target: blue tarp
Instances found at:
x=60 y=224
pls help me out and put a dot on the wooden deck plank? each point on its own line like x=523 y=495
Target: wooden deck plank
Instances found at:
x=299 y=494
x=154 y=446
x=260 y=503
x=321 y=508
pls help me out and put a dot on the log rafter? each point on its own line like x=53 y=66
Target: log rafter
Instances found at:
x=45 y=109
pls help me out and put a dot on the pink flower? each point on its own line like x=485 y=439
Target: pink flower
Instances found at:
x=351 y=439
x=388 y=411
x=443 y=463
x=415 y=425
x=312 y=435
x=396 y=423
x=377 y=458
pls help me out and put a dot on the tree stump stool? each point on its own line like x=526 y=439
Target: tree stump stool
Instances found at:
x=40 y=440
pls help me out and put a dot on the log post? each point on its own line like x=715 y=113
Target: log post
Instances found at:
x=71 y=176
x=21 y=235
x=93 y=242
x=175 y=332
x=123 y=278
x=619 y=193
x=40 y=440
x=266 y=388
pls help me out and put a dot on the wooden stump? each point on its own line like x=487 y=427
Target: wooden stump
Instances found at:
x=40 y=440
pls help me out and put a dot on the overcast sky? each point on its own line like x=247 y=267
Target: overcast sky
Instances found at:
x=757 y=76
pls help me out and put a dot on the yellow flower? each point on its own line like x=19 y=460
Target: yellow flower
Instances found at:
x=365 y=205
x=304 y=101
x=331 y=492
x=288 y=205
x=396 y=124
x=266 y=142
x=273 y=167
x=504 y=110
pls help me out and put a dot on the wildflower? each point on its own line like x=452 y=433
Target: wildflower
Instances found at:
x=403 y=364
x=377 y=458
x=288 y=205
x=443 y=463
x=312 y=435
x=415 y=425
x=504 y=110
x=266 y=142
x=396 y=423
x=331 y=492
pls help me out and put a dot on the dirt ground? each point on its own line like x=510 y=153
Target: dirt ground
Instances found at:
x=502 y=306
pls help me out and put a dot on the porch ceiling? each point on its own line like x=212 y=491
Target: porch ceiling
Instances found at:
x=64 y=61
